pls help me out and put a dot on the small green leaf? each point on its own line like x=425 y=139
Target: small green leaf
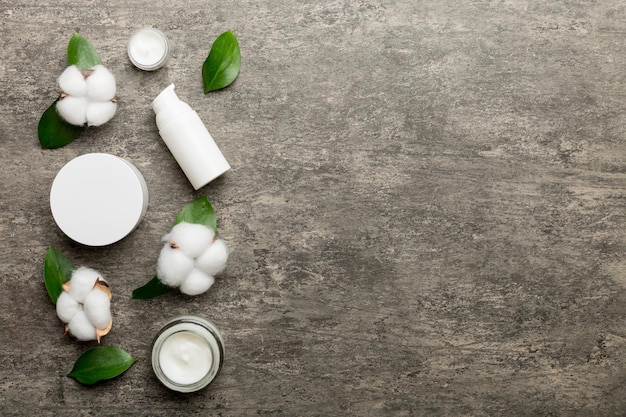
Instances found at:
x=81 y=53
x=100 y=363
x=198 y=211
x=55 y=132
x=57 y=270
x=151 y=289
x=221 y=67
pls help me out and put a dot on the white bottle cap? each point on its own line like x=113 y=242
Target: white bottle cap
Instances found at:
x=97 y=199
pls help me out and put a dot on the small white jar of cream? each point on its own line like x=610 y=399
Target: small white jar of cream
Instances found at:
x=97 y=199
x=148 y=49
x=187 y=353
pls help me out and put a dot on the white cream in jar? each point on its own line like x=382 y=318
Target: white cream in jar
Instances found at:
x=187 y=353
x=148 y=49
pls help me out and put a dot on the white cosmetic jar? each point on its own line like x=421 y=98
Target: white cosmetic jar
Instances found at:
x=97 y=199
x=148 y=49
x=187 y=353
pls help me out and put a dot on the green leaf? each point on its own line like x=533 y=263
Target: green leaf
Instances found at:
x=221 y=67
x=151 y=289
x=55 y=132
x=57 y=270
x=81 y=53
x=198 y=211
x=100 y=363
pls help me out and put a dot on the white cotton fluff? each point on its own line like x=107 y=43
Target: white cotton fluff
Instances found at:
x=213 y=260
x=173 y=266
x=82 y=282
x=197 y=282
x=81 y=328
x=97 y=307
x=99 y=112
x=191 y=257
x=72 y=109
x=87 y=100
x=100 y=84
x=72 y=81
x=193 y=239
x=67 y=307
x=85 y=305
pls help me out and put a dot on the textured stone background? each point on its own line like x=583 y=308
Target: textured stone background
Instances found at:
x=425 y=207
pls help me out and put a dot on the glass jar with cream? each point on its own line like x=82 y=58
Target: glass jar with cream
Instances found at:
x=187 y=353
x=148 y=49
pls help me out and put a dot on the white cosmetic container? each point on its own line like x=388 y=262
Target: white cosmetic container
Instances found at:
x=187 y=354
x=188 y=139
x=148 y=49
x=97 y=199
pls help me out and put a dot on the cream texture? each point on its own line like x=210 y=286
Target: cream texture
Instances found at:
x=185 y=358
x=148 y=49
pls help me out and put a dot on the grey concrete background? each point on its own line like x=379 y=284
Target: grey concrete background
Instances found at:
x=425 y=207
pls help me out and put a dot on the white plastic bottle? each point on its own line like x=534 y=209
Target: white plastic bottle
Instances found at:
x=188 y=139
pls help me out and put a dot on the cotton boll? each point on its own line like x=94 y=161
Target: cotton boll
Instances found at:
x=191 y=238
x=97 y=308
x=81 y=328
x=173 y=266
x=73 y=110
x=196 y=283
x=213 y=260
x=99 y=112
x=67 y=307
x=82 y=282
x=101 y=84
x=72 y=81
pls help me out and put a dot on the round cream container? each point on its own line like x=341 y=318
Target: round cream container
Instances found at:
x=97 y=199
x=187 y=353
x=148 y=49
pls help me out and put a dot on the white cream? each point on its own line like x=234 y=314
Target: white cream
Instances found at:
x=187 y=353
x=185 y=358
x=148 y=49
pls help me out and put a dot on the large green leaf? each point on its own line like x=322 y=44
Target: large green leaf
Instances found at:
x=81 y=53
x=198 y=211
x=221 y=67
x=57 y=270
x=100 y=363
x=151 y=289
x=55 y=132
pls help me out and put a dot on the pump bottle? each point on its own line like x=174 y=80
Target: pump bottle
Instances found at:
x=188 y=139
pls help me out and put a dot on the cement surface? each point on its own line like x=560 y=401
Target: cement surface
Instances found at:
x=426 y=207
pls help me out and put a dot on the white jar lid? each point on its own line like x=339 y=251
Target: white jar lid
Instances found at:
x=97 y=199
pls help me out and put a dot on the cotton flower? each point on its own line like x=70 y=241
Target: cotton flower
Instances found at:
x=84 y=305
x=191 y=257
x=173 y=266
x=191 y=238
x=197 y=282
x=88 y=97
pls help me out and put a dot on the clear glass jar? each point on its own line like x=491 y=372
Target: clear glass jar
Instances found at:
x=187 y=353
x=148 y=49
